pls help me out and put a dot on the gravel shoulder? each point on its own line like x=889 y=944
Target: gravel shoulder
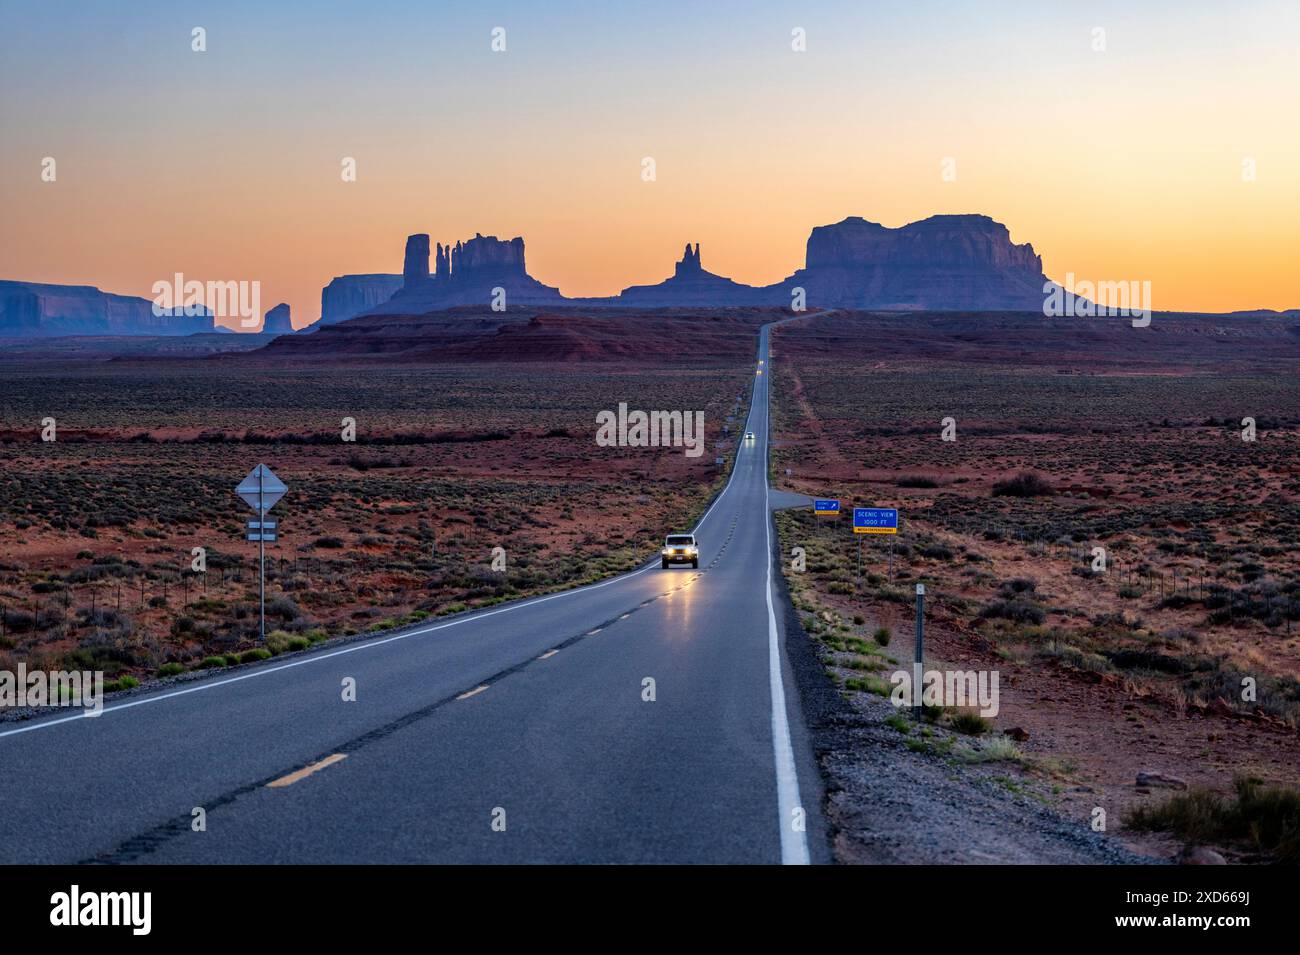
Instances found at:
x=888 y=802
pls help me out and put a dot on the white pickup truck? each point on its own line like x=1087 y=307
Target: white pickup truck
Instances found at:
x=680 y=549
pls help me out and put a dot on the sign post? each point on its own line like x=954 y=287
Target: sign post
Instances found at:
x=918 y=668
x=260 y=491
x=875 y=520
x=824 y=507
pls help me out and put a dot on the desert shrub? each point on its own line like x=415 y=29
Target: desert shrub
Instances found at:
x=995 y=749
x=972 y=724
x=331 y=543
x=916 y=480
x=1263 y=816
x=171 y=669
x=1016 y=610
x=210 y=663
x=1017 y=585
x=869 y=684
x=1147 y=660
x=1024 y=484
x=283 y=607
x=254 y=655
x=882 y=636
x=900 y=723
x=277 y=641
x=18 y=621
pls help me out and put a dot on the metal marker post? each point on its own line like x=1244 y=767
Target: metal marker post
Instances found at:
x=260 y=490
x=919 y=666
x=261 y=556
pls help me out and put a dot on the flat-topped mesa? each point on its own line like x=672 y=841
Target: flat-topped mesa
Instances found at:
x=488 y=253
x=277 y=321
x=39 y=310
x=415 y=265
x=467 y=273
x=943 y=263
x=349 y=295
x=946 y=241
x=690 y=263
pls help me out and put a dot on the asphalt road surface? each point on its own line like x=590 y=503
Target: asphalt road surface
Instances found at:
x=515 y=734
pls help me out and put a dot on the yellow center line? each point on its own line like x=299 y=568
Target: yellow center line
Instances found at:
x=593 y=632
x=468 y=693
x=625 y=616
x=306 y=771
x=548 y=654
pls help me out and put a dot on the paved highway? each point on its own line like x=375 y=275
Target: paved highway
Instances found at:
x=515 y=734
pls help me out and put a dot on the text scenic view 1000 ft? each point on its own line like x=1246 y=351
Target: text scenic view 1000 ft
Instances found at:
x=852 y=434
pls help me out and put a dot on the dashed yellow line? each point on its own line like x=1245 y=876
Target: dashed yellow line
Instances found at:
x=468 y=693
x=592 y=633
x=306 y=771
x=548 y=654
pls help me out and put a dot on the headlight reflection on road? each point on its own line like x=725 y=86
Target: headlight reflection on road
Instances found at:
x=681 y=603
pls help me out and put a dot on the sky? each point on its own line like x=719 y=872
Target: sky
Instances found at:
x=1124 y=155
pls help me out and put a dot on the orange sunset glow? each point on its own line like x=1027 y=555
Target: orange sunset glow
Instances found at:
x=1169 y=156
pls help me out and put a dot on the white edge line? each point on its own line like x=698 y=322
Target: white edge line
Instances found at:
x=363 y=645
x=794 y=845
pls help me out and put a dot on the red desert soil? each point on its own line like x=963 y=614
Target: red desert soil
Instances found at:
x=1146 y=457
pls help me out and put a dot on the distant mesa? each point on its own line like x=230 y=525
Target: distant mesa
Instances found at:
x=692 y=286
x=952 y=263
x=349 y=295
x=464 y=274
x=943 y=263
x=277 y=321
x=36 y=310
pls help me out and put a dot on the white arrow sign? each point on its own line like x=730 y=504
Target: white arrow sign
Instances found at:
x=261 y=489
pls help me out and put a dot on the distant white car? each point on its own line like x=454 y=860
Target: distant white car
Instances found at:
x=749 y=436
x=679 y=549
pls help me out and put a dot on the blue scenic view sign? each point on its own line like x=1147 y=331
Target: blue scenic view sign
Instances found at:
x=875 y=520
